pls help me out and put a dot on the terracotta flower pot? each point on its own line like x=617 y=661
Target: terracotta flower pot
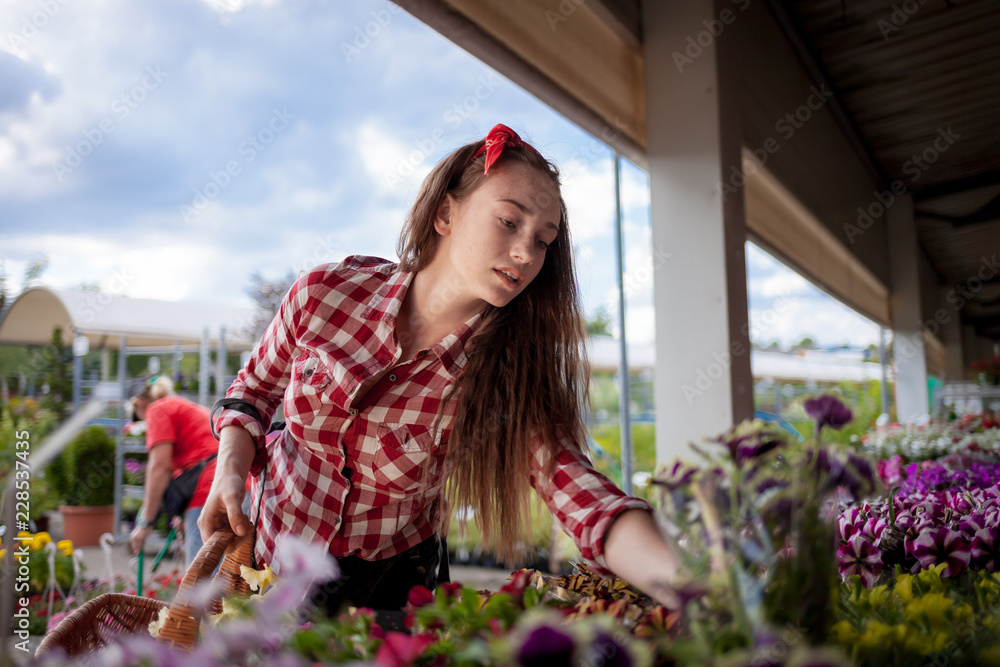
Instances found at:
x=85 y=525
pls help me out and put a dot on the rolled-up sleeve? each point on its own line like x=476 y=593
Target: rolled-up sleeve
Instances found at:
x=262 y=382
x=584 y=501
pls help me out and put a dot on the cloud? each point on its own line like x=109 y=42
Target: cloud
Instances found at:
x=21 y=80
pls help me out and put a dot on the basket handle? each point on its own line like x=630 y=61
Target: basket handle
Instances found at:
x=181 y=627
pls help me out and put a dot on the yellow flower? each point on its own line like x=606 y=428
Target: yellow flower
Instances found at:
x=877 y=634
x=880 y=596
x=931 y=577
x=157 y=625
x=22 y=534
x=934 y=606
x=258 y=579
x=40 y=540
x=66 y=546
x=990 y=655
x=904 y=587
x=844 y=632
x=3 y=552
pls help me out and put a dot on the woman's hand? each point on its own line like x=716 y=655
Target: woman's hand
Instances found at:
x=138 y=538
x=223 y=508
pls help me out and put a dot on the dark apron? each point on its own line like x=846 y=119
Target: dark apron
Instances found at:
x=384 y=585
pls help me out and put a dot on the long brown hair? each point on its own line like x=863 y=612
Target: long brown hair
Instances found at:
x=526 y=375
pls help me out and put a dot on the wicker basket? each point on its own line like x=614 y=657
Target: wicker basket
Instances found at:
x=107 y=616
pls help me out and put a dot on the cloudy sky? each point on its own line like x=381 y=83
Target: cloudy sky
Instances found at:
x=169 y=149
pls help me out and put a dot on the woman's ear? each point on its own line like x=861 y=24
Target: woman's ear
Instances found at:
x=445 y=212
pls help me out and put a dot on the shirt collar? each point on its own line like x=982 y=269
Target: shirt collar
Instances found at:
x=385 y=305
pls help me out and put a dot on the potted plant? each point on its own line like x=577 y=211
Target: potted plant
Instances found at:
x=85 y=477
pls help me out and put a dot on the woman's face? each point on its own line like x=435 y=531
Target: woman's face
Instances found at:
x=139 y=408
x=496 y=238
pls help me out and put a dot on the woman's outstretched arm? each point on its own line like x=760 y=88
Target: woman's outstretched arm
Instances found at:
x=635 y=551
x=223 y=506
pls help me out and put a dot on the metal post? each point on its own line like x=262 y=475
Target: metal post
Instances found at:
x=203 y=362
x=77 y=376
x=220 y=366
x=120 y=436
x=885 y=370
x=177 y=360
x=624 y=390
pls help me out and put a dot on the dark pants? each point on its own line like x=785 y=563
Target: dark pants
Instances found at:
x=384 y=585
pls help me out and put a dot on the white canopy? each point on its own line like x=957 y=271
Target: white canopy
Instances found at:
x=104 y=318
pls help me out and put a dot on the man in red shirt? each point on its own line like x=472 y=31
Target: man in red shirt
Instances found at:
x=178 y=436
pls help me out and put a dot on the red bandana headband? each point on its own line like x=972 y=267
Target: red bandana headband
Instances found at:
x=499 y=136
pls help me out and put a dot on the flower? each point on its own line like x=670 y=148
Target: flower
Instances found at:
x=608 y=652
x=400 y=649
x=675 y=476
x=942 y=545
x=858 y=556
x=986 y=549
x=546 y=647
x=259 y=580
x=66 y=546
x=420 y=596
x=828 y=410
x=749 y=441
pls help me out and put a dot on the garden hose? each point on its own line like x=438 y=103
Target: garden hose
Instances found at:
x=163 y=552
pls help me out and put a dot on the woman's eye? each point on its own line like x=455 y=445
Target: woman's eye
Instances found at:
x=507 y=223
x=543 y=245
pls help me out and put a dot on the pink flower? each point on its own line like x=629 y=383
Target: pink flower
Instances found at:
x=420 y=596
x=891 y=471
x=401 y=650
x=859 y=556
x=941 y=545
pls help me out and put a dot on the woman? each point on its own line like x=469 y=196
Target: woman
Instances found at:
x=464 y=362
x=178 y=436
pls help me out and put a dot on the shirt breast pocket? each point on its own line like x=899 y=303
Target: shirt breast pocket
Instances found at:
x=310 y=376
x=401 y=461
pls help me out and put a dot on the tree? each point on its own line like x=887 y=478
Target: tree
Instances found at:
x=35 y=270
x=806 y=343
x=600 y=325
x=267 y=295
x=57 y=359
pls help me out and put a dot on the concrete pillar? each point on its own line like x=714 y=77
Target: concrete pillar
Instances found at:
x=951 y=338
x=908 y=342
x=703 y=378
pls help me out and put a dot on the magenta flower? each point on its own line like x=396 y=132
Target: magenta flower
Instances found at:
x=828 y=410
x=873 y=529
x=941 y=545
x=546 y=647
x=986 y=550
x=891 y=471
x=859 y=556
x=850 y=523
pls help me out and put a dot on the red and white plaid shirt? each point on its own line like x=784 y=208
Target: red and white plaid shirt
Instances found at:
x=366 y=478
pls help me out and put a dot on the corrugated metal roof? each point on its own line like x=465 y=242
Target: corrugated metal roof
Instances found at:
x=911 y=73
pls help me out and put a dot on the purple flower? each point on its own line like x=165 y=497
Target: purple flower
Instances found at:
x=676 y=476
x=828 y=410
x=859 y=556
x=850 y=523
x=134 y=467
x=746 y=444
x=986 y=549
x=607 y=652
x=873 y=529
x=546 y=647
x=941 y=545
